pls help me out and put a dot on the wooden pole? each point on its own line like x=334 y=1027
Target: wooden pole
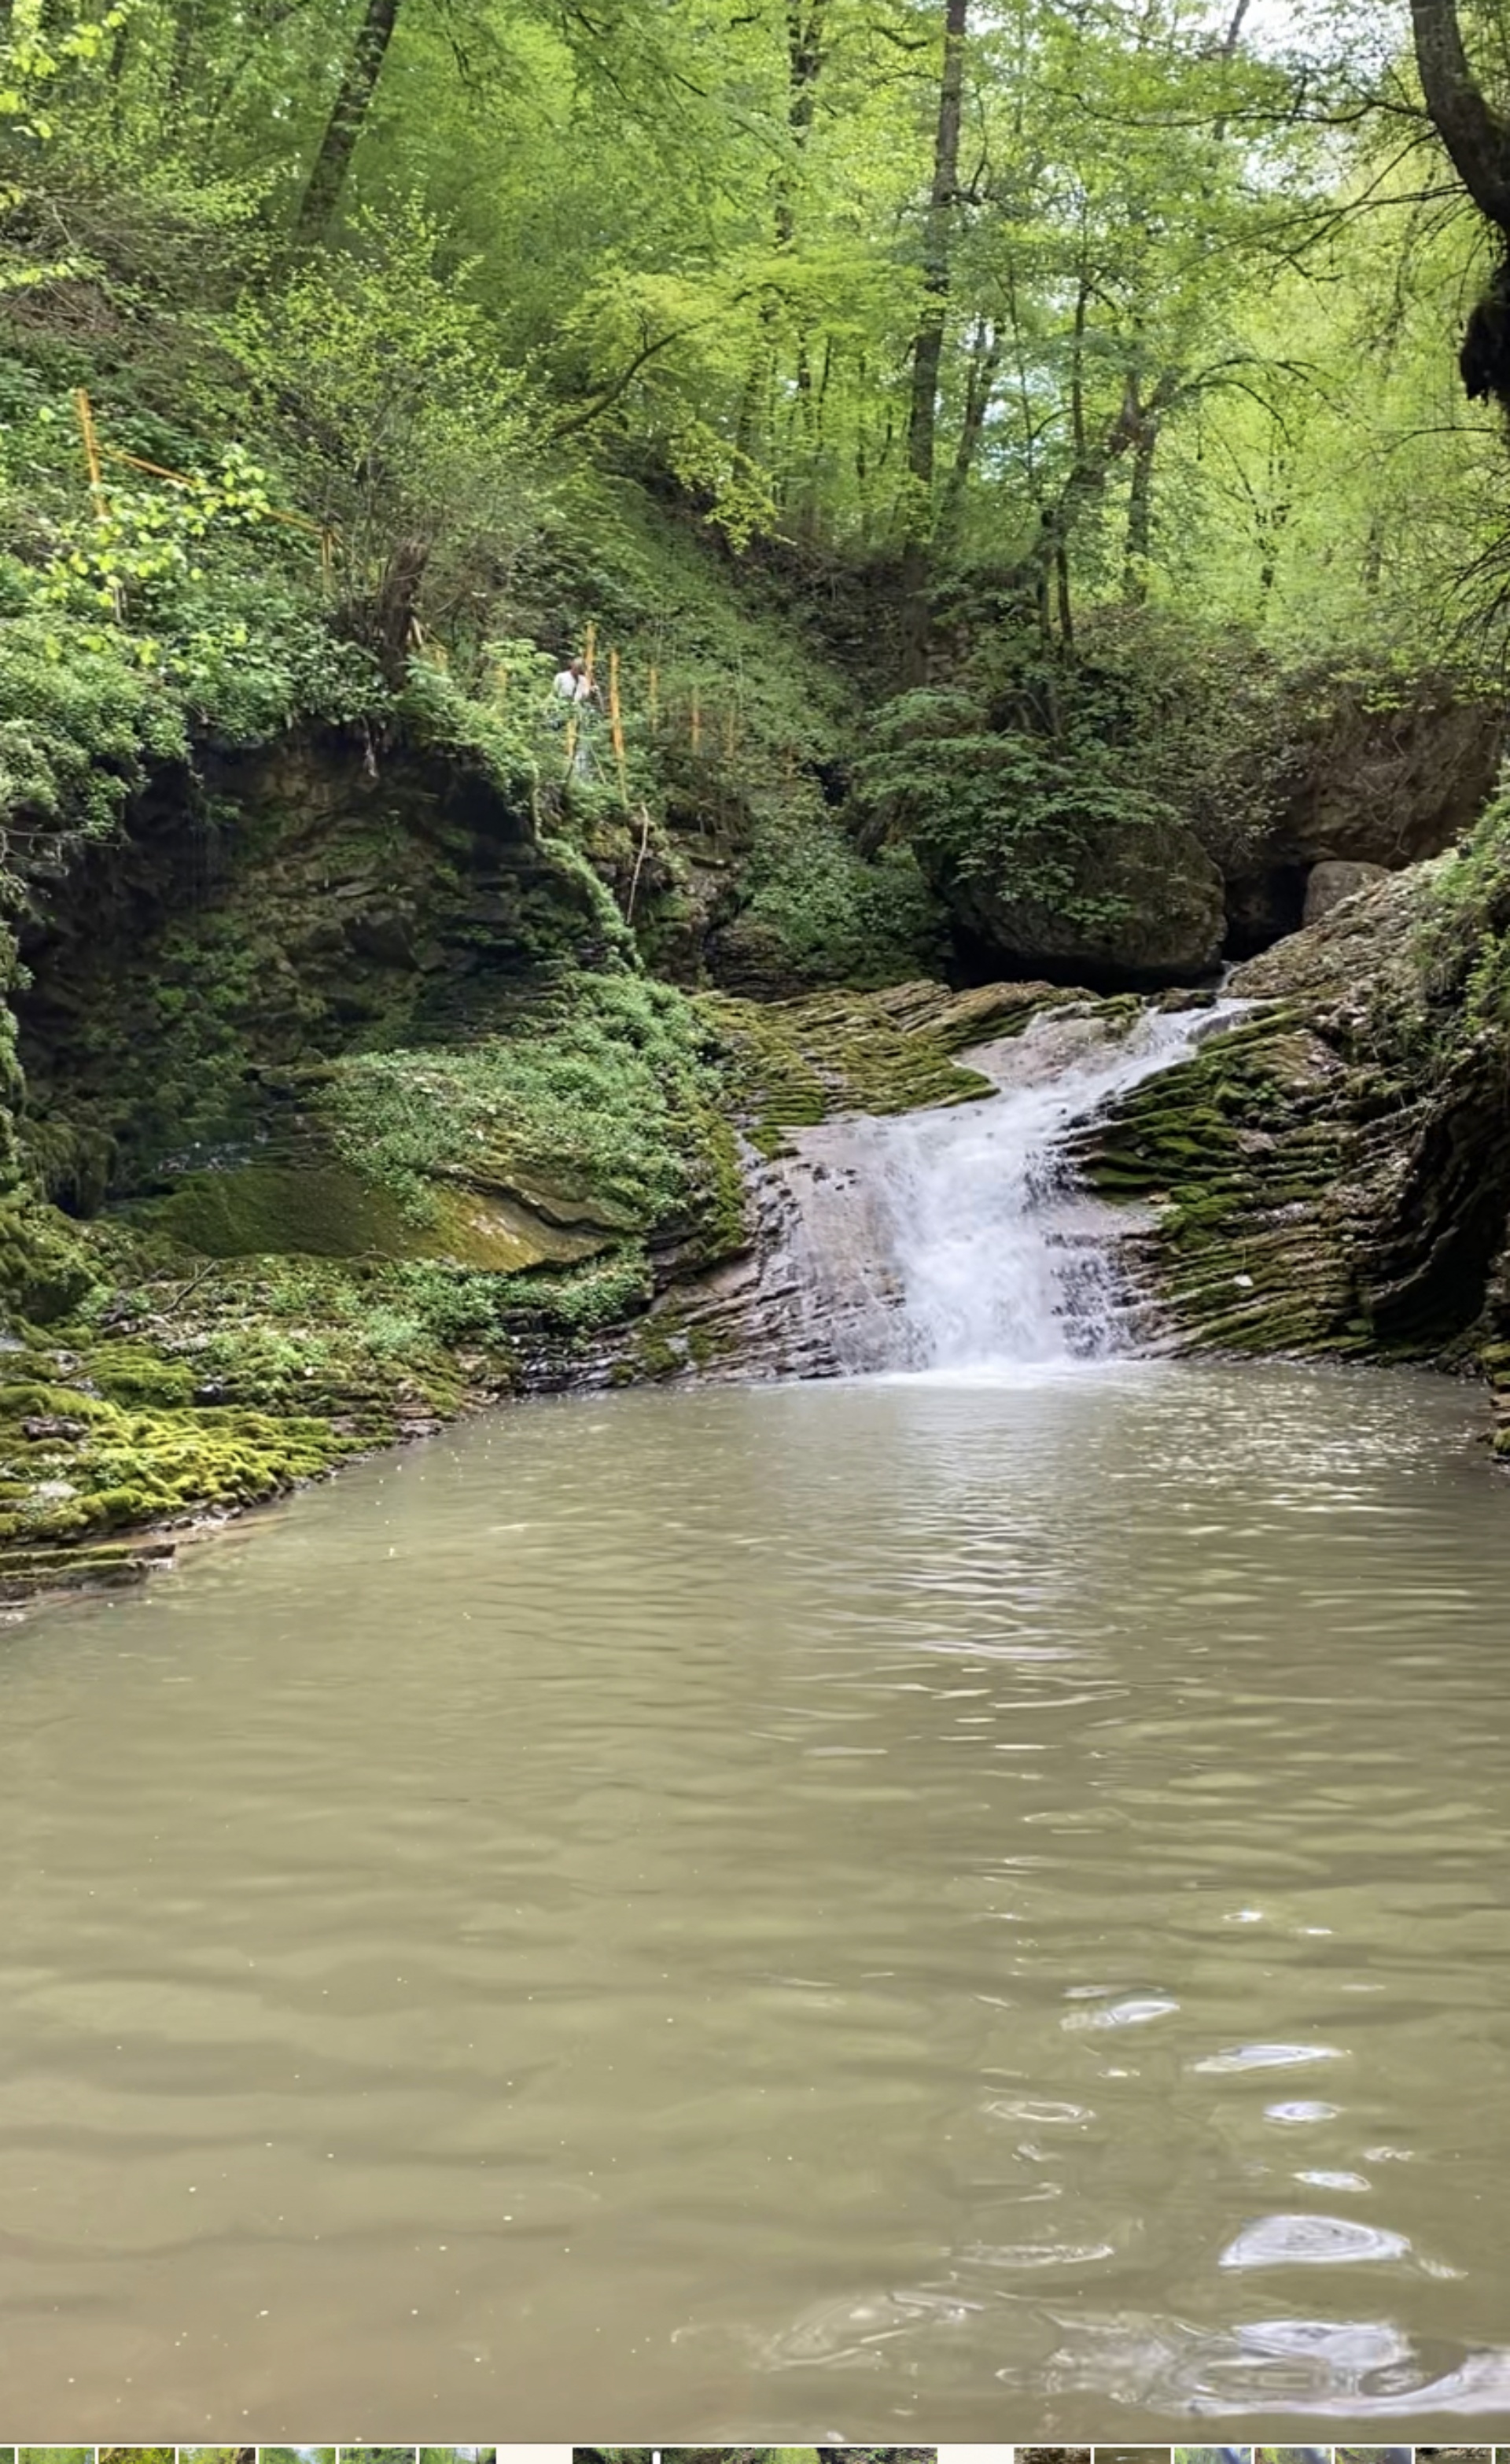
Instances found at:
x=616 y=725
x=592 y=641
x=645 y=841
x=86 y=430
x=655 y=698
x=697 y=724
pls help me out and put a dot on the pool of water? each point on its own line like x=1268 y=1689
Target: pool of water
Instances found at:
x=929 y=1908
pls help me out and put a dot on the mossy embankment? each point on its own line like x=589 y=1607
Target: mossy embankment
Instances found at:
x=438 y=1224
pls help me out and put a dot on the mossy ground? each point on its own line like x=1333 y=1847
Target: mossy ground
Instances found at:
x=186 y=1386
x=793 y=1062
x=258 y=1325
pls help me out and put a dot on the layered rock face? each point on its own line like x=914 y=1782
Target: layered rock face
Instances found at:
x=1332 y=1175
x=369 y=1117
x=1379 y=775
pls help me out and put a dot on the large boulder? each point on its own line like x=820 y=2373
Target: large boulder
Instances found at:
x=1328 y=884
x=1141 y=905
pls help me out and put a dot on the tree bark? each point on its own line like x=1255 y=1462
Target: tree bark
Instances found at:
x=804 y=62
x=358 y=85
x=1476 y=137
x=985 y=362
x=1140 y=501
x=1088 y=475
x=928 y=343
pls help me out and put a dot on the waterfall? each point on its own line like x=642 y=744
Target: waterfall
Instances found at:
x=957 y=1238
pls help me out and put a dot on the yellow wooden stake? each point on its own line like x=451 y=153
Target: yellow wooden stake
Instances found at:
x=86 y=430
x=697 y=724
x=587 y=662
x=655 y=698
x=645 y=841
x=616 y=725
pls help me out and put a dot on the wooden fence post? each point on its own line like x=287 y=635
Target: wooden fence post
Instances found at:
x=616 y=726
x=97 y=477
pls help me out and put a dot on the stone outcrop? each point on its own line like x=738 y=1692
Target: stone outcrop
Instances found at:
x=1328 y=884
x=1331 y=1175
x=1388 y=771
x=1141 y=905
x=1379 y=772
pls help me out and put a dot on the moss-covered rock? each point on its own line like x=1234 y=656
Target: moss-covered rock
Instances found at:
x=1332 y=1175
x=1141 y=903
x=793 y=1062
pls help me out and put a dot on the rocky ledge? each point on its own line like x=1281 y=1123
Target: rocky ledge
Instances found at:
x=1331 y=1174
x=422 y=1232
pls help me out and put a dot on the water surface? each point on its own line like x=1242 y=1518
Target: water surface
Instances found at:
x=953 y=1909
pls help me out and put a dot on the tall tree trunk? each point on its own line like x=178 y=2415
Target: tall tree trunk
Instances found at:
x=985 y=360
x=1477 y=140
x=180 y=58
x=1086 y=480
x=927 y=348
x=1475 y=136
x=358 y=85
x=804 y=61
x=1139 y=544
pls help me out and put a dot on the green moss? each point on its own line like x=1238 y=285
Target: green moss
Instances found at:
x=597 y=1112
x=793 y=1062
x=816 y=913
x=46 y=1270
x=327 y=1213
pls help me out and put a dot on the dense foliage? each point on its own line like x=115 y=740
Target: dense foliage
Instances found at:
x=414 y=327
x=979 y=454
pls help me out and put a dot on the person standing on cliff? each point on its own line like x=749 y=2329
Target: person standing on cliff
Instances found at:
x=580 y=699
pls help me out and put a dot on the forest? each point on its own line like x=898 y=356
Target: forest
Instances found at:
x=1026 y=491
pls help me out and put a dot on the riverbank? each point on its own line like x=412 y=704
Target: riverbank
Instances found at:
x=171 y=1382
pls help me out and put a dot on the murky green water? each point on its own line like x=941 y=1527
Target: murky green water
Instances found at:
x=946 y=1910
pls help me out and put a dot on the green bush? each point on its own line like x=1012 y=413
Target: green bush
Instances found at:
x=973 y=800
x=81 y=717
x=832 y=917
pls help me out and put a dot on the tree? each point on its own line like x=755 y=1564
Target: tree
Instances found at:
x=927 y=345
x=358 y=84
x=1477 y=140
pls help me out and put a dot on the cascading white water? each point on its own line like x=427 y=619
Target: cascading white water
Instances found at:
x=957 y=1238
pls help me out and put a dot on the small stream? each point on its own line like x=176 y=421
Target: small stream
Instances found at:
x=964 y=1906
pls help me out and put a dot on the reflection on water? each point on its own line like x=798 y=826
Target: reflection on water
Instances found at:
x=828 y=1912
